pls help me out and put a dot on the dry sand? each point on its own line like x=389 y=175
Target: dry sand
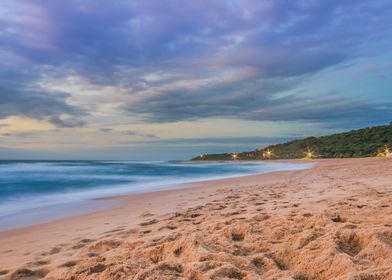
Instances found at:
x=330 y=222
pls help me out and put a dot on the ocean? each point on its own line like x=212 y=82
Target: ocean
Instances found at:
x=40 y=191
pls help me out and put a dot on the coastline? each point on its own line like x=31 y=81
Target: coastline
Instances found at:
x=45 y=208
x=325 y=201
x=125 y=199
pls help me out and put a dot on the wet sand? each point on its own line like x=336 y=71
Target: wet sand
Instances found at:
x=333 y=221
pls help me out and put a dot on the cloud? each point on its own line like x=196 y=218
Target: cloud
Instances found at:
x=21 y=95
x=105 y=129
x=258 y=102
x=27 y=134
x=179 y=61
x=66 y=123
x=141 y=134
x=132 y=133
x=22 y=135
x=38 y=104
x=256 y=141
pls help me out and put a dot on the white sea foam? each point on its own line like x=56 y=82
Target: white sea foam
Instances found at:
x=172 y=175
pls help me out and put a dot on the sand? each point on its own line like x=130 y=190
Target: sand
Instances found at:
x=333 y=221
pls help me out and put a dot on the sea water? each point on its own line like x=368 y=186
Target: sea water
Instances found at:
x=39 y=191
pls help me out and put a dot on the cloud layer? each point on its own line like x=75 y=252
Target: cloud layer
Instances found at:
x=189 y=60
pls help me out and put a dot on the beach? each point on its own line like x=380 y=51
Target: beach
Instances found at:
x=333 y=221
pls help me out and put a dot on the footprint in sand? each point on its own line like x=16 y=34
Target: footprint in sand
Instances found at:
x=24 y=273
x=119 y=229
x=53 y=251
x=82 y=243
x=237 y=236
x=39 y=263
x=6 y=251
x=386 y=237
x=226 y=272
x=147 y=223
x=177 y=252
x=349 y=243
x=145 y=232
x=171 y=226
x=104 y=246
x=338 y=219
x=69 y=264
x=98 y=268
x=146 y=214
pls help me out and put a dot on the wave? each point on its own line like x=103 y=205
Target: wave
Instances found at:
x=25 y=186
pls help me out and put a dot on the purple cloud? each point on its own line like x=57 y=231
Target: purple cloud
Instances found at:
x=213 y=58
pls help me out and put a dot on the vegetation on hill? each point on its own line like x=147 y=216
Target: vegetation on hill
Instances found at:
x=367 y=142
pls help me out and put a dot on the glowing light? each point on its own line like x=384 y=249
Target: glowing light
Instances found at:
x=309 y=154
x=387 y=152
x=201 y=156
x=268 y=154
x=234 y=156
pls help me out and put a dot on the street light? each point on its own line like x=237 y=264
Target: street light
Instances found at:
x=268 y=154
x=309 y=154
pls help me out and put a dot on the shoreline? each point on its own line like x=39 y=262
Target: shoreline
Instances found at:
x=120 y=200
x=35 y=216
x=334 y=199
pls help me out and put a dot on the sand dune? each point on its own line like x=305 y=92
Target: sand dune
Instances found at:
x=331 y=222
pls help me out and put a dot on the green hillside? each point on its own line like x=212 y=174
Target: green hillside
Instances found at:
x=356 y=143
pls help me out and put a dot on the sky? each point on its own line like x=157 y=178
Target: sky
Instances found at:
x=171 y=79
